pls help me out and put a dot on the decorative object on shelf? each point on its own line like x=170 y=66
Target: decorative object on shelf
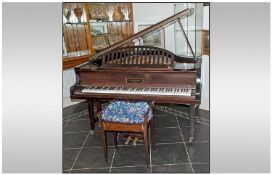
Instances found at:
x=99 y=42
x=117 y=14
x=67 y=14
x=125 y=9
x=98 y=11
x=155 y=38
x=205 y=42
x=114 y=38
x=110 y=9
x=99 y=28
x=78 y=13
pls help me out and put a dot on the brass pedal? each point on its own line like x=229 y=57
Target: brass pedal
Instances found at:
x=128 y=139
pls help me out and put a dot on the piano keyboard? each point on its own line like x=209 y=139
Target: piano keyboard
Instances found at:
x=139 y=91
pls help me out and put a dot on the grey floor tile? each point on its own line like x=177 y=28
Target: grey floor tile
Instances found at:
x=183 y=108
x=93 y=158
x=169 y=154
x=162 y=121
x=186 y=122
x=179 y=168
x=95 y=170
x=137 y=169
x=77 y=126
x=159 y=112
x=82 y=116
x=201 y=168
x=74 y=140
x=202 y=133
x=66 y=171
x=167 y=135
x=96 y=139
x=68 y=158
x=204 y=114
x=199 y=152
x=75 y=108
x=129 y=156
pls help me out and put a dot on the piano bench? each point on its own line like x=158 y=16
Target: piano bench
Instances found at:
x=127 y=117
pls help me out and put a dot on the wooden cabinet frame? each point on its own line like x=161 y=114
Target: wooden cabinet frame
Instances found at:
x=205 y=42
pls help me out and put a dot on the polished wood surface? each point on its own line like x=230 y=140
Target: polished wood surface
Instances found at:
x=74 y=61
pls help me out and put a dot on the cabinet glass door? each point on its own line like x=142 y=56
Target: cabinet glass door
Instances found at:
x=192 y=25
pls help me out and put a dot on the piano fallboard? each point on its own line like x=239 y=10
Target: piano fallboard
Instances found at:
x=117 y=78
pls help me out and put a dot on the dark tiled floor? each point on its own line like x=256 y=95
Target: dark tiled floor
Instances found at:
x=83 y=152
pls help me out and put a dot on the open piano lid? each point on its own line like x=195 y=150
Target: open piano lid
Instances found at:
x=123 y=55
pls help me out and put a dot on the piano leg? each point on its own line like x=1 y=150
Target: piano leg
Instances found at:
x=192 y=127
x=91 y=116
x=98 y=106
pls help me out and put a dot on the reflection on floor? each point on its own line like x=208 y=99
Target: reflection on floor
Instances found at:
x=83 y=153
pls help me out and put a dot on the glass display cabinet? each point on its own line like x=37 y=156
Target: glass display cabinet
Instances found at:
x=193 y=26
x=91 y=27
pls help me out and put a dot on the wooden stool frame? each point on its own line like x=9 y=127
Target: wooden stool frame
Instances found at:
x=131 y=128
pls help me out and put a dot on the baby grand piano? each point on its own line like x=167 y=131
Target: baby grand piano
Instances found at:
x=129 y=72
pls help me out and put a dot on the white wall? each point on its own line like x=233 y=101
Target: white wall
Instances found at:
x=69 y=79
x=205 y=69
x=206 y=21
x=151 y=13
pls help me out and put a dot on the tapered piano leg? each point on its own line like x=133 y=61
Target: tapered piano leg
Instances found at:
x=91 y=116
x=192 y=127
x=98 y=106
x=98 y=109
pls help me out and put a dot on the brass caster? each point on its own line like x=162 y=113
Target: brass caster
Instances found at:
x=191 y=139
x=91 y=132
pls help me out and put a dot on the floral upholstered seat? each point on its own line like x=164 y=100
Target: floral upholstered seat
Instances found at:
x=126 y=112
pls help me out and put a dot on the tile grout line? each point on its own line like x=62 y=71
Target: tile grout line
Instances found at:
x=114 y=153
x=79 y=152
x=200 y=163
x=75 y=132
x=112 y=160
x=139 y=144
x=185 y=146
x=150 y=151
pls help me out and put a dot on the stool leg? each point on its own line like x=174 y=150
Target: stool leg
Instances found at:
x=152 y=133
x=146 y=143
x=115 y=139
x=105 y=146
x=91 y=116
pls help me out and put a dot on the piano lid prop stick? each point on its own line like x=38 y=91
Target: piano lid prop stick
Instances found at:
x=187 y=40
